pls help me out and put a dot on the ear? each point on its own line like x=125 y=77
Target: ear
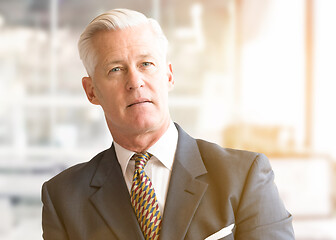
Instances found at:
x=171 y=81
x=90 y=90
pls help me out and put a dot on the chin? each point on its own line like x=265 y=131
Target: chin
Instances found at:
x=148 y=125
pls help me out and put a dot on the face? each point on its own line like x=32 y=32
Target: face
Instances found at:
x=131 y=81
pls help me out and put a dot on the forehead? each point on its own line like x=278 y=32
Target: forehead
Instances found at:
x=141 y=39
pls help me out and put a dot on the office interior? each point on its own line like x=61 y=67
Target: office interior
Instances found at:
x=257 y=75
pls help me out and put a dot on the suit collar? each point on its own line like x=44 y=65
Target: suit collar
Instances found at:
x=112 y=200
x=105 y=166
x=164 y=150
x=185 y=190
x=188 y=155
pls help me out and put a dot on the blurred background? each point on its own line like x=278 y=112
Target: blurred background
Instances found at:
x=250 y=74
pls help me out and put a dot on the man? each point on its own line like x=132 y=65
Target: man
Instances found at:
x=155 y=181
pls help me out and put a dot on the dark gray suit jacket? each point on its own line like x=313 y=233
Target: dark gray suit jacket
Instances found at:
x=210 y=188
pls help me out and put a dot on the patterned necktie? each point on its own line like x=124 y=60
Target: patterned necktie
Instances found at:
x=144 y=199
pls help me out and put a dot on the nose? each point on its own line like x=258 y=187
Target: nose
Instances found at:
x=134 y=79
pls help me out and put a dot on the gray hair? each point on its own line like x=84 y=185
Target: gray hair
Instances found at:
x=113 y=20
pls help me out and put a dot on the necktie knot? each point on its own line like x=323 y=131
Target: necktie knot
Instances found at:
x=141 y=160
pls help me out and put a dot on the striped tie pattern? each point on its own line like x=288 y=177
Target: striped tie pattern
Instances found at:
x=144 y=199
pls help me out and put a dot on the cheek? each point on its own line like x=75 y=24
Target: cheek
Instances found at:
x=108 y=99
x=162 y=94
x=170 y=87
x=109 y=90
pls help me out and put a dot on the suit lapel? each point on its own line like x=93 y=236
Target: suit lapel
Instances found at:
x=185 y=190
x=112 y=199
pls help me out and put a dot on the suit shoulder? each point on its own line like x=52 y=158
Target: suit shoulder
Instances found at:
x=216 y=157
x=78 y=171
x=210 y=150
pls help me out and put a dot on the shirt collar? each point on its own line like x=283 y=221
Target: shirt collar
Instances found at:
x=164 y=149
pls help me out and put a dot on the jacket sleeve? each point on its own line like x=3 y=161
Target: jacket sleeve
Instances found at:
x=52 y=226
x=261 y=213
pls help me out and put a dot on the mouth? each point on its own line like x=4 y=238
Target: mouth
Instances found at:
x=141 y=101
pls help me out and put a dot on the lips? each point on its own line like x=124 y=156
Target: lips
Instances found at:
x=139 y=101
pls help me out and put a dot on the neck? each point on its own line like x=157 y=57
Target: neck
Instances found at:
x=140 y=142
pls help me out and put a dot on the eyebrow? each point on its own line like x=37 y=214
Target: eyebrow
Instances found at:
x=113 y=62
x=141 y=56
x=146 y=56
x=108 y=64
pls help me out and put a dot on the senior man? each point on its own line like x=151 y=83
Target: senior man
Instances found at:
x=155 y=182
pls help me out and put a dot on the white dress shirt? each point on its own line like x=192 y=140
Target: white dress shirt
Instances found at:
x=159 y=166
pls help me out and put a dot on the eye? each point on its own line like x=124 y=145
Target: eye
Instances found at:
x=147 y=64
x=116 y=69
